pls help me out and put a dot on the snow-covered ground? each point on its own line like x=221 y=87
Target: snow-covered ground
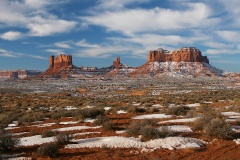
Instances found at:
x=123 y=142
x=89 y=120
x=34 y=140
x=230 y=114
x=193 y=105
x=75 y=128
x=152 y=116
x=85 y=133
x=237 y=141
x=69 y=122
x=121 y=112
x=107 y=108
x=183 y=120
x=179 y=128
x=68 y=108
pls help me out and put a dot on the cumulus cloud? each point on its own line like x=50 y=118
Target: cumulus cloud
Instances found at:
x=155 y=19
x=34 y=16
x=11 y=35
x=116 y=4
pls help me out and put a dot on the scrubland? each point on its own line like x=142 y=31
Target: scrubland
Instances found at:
x=130 y=119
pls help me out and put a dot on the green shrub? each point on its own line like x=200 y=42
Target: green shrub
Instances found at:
x=48 y=149
x=7 y=142
x=63 y=138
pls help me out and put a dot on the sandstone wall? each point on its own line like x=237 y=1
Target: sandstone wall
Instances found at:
x=187 y=54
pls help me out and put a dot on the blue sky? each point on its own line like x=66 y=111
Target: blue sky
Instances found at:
x=96 y=31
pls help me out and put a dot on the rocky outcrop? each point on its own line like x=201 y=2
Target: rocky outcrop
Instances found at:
x=15 y=74
x=116 y=62
x=60 y=62
x=186 y=54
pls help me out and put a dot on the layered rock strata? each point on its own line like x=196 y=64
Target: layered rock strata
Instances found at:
x=186 y=54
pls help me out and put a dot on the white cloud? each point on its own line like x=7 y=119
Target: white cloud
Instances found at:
x=230 y=36
x=34 y=16
x=221 y=51
x=50 y=27
x=218 y=45
x=156 y=19
x=11 y=35
x=83 y=43
x=116 y=4
x=54 y=51
x=5 y=53
x=62 y=45
x=38 y=57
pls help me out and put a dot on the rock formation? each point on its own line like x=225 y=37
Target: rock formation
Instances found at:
x=60 y=62
x=116 y=62
x=186 y=54
x=15 y=74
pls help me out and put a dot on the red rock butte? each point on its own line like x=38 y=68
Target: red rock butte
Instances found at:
x=116 y=62
x=185 y=54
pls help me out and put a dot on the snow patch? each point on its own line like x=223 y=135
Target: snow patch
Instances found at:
x=75 y=128
x=34 y=140
x=123 y=142
x=179 y=128
x=152 y=116
x=184 y=120
x=121 y=112
x=230 y=114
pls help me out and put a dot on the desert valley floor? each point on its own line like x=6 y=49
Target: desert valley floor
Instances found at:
x=156 y=119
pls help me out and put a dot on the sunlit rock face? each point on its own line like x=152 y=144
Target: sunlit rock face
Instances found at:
x=186 y=54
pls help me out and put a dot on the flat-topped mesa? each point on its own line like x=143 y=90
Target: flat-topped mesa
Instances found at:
x=60 y=62
x=116 y=62
x=185 y=54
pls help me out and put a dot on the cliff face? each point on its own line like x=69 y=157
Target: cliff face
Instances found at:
x=60 y=62
x=187 y=54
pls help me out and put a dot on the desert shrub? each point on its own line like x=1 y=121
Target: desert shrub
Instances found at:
x=218 y=128
x=148 y=122
x=48 y=149
x=108 y=126
x=133 y=129
x=179 y=110
x=63 y=138
x=7 y=142
x=33 y=132
x=149 y=132
x=48 y=133
x=100 y=120
x=136 y=110
x=91 y=112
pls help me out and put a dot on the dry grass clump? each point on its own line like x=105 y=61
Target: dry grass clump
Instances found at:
x=147 y=130
x=218 y=128
x=7 y=142
x=178 y=111
x=63 y=138
x=104 y=121
x=48 y=149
